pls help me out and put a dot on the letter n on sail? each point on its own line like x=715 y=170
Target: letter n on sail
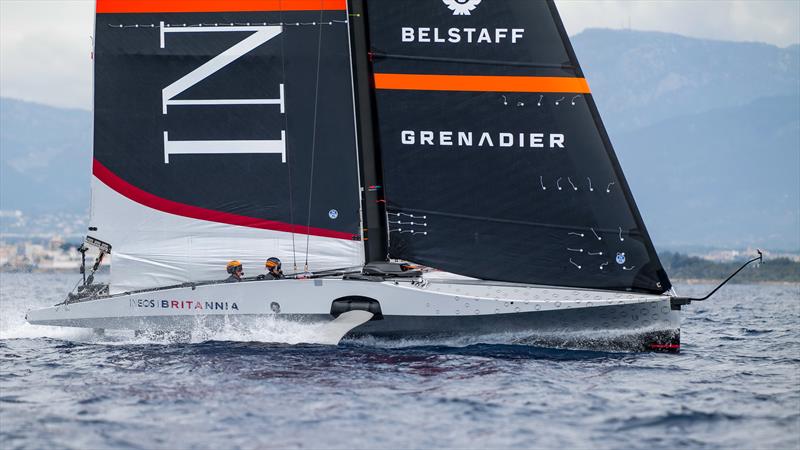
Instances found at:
x=261 y=35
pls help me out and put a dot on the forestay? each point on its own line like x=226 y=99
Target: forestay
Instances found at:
x=496 y=164
x=223 y=130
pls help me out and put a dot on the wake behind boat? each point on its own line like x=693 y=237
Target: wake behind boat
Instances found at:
x=346 y=134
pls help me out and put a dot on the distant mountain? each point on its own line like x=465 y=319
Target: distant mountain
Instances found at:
x=45 y=157
x=708 y=134
x=728 y=177
x=639 y=78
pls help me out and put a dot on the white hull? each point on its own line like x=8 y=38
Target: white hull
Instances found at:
x=408 y=308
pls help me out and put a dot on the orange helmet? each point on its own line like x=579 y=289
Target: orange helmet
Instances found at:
x=234 y=266
x=273 y=263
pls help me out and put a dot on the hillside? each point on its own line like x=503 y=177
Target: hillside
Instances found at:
x=45 y=155
x=729 y=177
x=639 y=78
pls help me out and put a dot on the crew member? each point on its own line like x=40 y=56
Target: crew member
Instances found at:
x=274 y=271
x=236 y=272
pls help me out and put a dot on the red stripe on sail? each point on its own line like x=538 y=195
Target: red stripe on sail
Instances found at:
x=132 y=192
x=176 y=6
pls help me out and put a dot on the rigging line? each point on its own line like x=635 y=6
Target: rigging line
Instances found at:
x=286 y=127
x=314 y=135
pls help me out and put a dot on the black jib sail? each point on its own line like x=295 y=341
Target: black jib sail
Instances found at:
x=496 y=164
x=223 y=130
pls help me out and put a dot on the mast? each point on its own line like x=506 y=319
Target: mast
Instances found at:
x=372 y=201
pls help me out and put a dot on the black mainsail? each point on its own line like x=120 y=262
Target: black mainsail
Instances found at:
x=496 y=164
x=223 y=130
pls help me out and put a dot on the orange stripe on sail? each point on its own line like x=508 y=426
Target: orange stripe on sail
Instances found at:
x=480 y=83
x=174 y=6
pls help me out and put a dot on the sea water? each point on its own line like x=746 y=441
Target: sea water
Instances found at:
x=736 y=384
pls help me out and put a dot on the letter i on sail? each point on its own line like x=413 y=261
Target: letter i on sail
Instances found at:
x=259 y=36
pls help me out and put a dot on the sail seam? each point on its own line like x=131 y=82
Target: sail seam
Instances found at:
x=488 y=62
x=633 y=232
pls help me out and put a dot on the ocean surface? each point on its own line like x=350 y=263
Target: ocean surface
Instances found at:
x=736 y=384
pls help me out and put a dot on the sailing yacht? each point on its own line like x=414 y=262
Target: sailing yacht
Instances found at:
x=423 y=168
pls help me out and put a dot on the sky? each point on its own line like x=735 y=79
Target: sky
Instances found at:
x=45 y=45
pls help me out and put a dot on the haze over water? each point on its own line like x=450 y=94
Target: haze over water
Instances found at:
x=736 y=384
